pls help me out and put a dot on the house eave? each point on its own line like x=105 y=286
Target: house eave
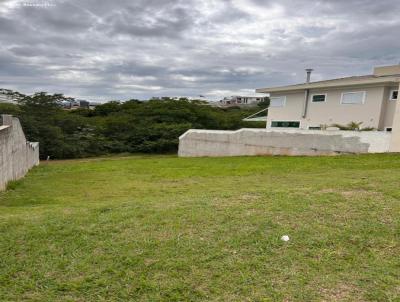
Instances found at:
x=326 y=85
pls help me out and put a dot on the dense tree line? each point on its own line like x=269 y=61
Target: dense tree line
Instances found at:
x=133 y=126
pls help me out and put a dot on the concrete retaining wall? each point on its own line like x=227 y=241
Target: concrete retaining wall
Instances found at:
x=17 y=155
x=281 y=142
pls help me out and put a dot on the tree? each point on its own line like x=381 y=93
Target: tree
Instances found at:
x=264 y=103
x=115 y=127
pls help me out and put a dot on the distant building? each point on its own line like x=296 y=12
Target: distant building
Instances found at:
x=93 y=105
x=4 y=98
x=76 y=104
x=240 y=101
x=84 y=104
x=69 y=105
x=177 y=98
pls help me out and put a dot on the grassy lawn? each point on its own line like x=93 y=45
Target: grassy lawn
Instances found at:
x=161 y=228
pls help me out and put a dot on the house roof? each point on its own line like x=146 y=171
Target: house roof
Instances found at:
x=340 y=82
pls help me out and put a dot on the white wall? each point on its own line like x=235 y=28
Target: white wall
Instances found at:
x=17 y=155
x=195 y=143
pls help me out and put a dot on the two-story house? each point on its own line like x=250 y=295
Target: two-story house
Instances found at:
x=370 y=99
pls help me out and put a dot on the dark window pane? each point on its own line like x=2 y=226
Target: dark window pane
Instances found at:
x=318 y=98
x=395 y=94
x=290 y=124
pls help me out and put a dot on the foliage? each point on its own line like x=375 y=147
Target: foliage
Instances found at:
x=152 y=126
x=264 y=103
x=161 y=228
x=13 y=95
x=353 y=126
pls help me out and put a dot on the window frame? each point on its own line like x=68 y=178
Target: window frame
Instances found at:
x=278 y=97
x=285 y=121
x=314 y=94
x=391 y=95
x=354 y=92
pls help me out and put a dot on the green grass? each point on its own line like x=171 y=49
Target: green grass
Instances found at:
x=161 y=228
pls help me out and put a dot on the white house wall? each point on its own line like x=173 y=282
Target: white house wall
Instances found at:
x=390 y=108
x=332 y=111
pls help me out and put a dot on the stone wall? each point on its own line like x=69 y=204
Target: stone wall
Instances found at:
x=17 y=155
x=281 y=142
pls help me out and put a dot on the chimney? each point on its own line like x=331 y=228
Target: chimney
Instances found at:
x=309 y=71
x=387 y=70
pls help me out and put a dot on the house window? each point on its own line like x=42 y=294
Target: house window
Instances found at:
x=278 y=101
x=394 y=94
x=353 y=97
x=314 y=128
x=389 y=129
x=285 y=124
x=318 y=98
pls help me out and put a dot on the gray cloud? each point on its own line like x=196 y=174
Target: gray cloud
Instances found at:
x=171 y=24
x=123 y=49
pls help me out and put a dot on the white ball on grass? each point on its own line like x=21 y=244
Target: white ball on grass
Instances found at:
x=285 y=238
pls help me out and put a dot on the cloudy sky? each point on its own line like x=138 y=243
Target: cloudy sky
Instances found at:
x=121 y=49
